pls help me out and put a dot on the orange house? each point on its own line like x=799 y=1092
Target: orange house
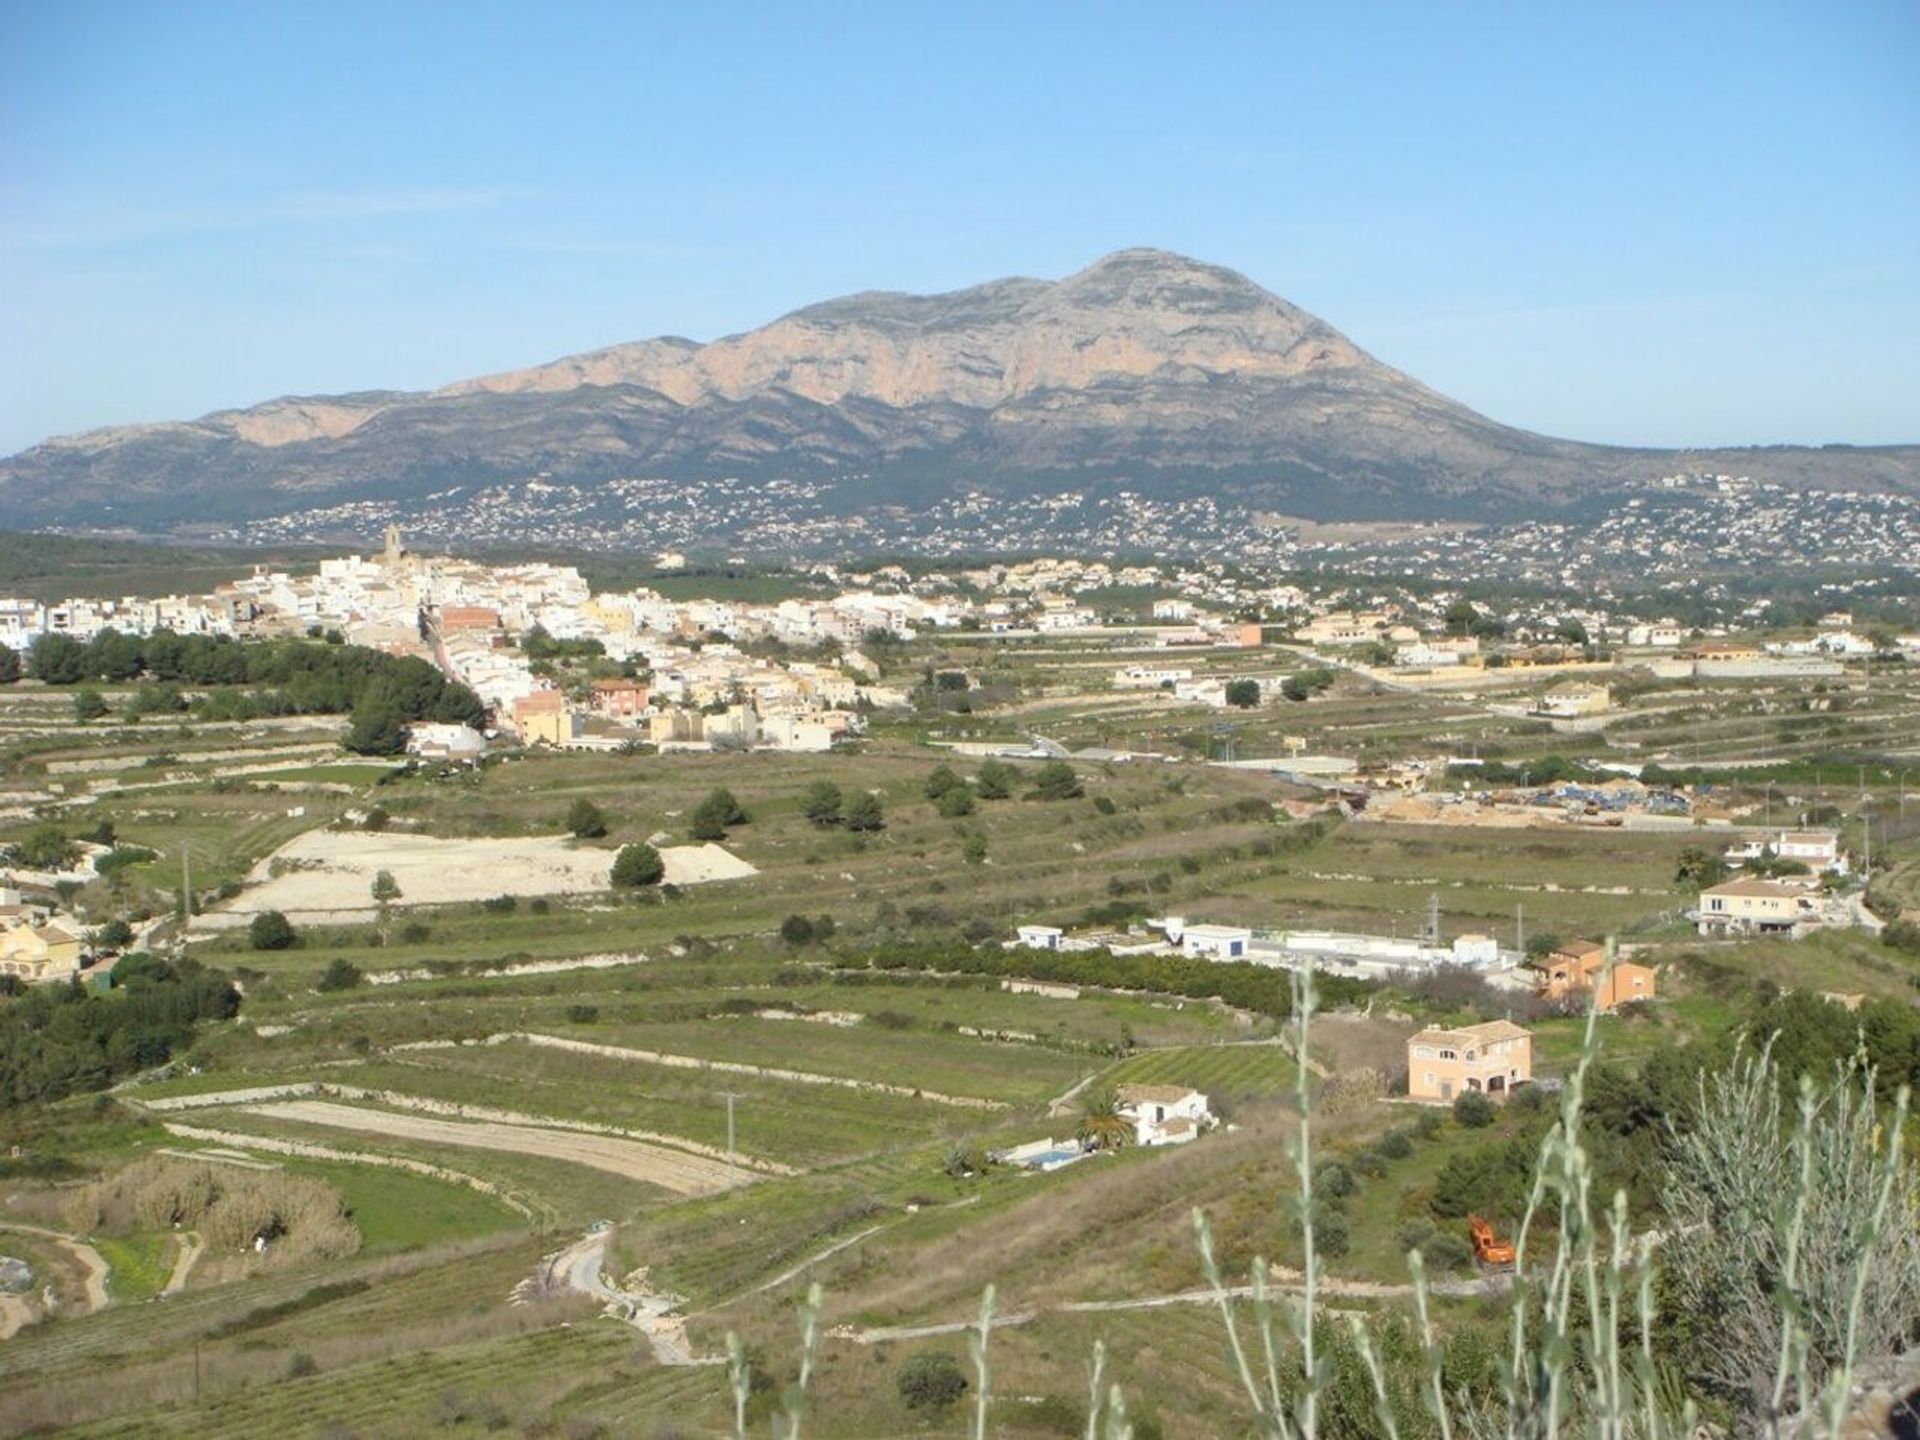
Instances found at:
x=1491 y=1058
x=619 y=699
x=1575 y=970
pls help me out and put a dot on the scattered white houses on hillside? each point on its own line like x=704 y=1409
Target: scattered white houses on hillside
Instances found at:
x=1164 y=1114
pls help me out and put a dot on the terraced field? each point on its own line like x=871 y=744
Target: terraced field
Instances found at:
x=1221 y=1069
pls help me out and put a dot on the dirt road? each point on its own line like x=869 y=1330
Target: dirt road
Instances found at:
x=191 y=1245
x=582 y=1267
x=674 y=1170
x=91 y=1261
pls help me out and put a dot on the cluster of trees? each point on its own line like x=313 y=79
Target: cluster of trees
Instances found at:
x=1248 y=987
x=537 y=644
x=826 y=807
x=1463 y=617
x=385 y=693
x=58 y=1040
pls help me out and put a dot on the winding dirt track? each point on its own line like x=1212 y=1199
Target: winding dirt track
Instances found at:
x=674 y=1170
x=91 y=1260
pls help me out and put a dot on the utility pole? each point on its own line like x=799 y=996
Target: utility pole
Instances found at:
x=732 y=1164
x=1433 y=917
x=1520 y=929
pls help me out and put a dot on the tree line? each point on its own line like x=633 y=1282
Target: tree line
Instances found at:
x=384 y=693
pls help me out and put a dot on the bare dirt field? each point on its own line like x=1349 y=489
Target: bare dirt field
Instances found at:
x=326 y=876
x=674 y=1170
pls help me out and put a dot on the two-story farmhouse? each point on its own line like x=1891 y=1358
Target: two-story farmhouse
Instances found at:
x=1492 y=1058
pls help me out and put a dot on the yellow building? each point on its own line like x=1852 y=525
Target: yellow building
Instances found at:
x=1491 y=1058
x=1758 y=907
x=40 y=952
x=545 y=718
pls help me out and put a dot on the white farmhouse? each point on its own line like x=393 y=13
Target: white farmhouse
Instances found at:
x=1164 y=1114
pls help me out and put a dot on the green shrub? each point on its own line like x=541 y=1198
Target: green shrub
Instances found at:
x=1333 y=1181
x=930 y=1380
x=340 y=974
x=1473 y=1110
x=585 y=820
x=637 y=866
x=954 y=803
x=1056 y=780
x=864 y=813
x=270 y=930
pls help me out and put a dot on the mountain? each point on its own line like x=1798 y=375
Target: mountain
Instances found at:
x=1146 y=370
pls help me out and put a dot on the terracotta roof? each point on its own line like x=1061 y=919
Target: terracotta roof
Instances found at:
x=1757 y=889
x=1485 y=1033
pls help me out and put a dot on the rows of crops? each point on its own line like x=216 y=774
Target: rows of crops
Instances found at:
x=1223 y=1069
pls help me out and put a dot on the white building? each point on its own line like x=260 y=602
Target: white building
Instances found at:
x=1040 y=937
x=1164 y=1114
x=1818 y=850
x=1214 y=942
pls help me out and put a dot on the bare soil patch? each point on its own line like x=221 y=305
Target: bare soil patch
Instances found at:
x=326 y=876
x=674 y=1170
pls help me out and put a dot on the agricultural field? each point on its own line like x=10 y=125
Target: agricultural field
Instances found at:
x=565 y=1139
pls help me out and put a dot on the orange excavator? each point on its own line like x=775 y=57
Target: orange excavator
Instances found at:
x=1488 y=1248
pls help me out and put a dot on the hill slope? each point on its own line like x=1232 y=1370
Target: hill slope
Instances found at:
x=1145 y=369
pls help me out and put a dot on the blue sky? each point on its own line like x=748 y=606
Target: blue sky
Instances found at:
x=1667 y=224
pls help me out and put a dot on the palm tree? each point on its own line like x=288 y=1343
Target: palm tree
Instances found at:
x=1102 y=1126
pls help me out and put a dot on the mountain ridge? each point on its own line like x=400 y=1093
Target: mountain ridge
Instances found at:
x=1145 y=368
